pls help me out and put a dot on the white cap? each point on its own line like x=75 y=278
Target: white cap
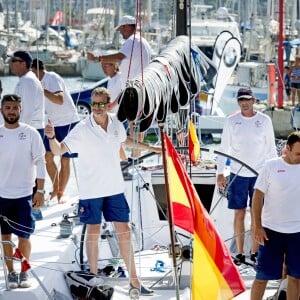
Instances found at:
x=125 y=20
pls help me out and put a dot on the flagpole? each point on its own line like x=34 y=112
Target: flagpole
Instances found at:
x=170 y=211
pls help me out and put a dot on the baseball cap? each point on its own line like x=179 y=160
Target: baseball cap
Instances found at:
x=245 y=93
x=37 y=64
x=24 y=55
x=125 y=20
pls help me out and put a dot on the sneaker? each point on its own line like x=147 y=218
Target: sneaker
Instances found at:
x=239 y=259
x=13 y=280
x=143 y=290
x=253 y=257
x=24 y=280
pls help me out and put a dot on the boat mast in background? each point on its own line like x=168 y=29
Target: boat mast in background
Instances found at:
x=181 y=17
x=280 y=56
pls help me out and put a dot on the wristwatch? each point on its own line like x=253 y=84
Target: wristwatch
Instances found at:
x=41 y=191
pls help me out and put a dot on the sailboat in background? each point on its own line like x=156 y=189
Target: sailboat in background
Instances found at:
x=98 y=38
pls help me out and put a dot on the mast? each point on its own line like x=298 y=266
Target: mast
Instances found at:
x=280 y=56
x=16 y=16
x=181 y=17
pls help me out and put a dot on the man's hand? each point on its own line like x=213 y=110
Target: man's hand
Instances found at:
x=38 y=200
x=221 y=181
x=260 y=235
x=90 y=56
x=156 y=149
x=49 y=130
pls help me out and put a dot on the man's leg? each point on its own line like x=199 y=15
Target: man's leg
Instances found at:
x=25 y=247
x=293 y=96
x=239 y=228
x=258 y=289
x=126 y=250
x=92 y=248
x=52 y=172
x=292 y=292
x=64 y=175
x=298 y=96
x=254 y=246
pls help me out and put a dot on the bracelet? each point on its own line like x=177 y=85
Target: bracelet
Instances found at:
x=51 y=138
x=41 y=191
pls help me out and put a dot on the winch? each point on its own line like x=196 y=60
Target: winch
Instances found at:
x=66 y=226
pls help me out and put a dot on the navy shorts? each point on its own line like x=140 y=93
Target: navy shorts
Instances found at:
x=42 y=133
x=18 y=212
x=60 y=133
x=279 y=248
x=239 y=191
x=295 y=85
x=114 y=208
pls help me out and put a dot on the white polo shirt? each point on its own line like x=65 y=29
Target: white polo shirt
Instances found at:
x=31 y=92
x=140 y=58
x=59 y=115
x=249 y=139
x=279 y=182
x=114 y=86
x=22 y=159
x=99 y=168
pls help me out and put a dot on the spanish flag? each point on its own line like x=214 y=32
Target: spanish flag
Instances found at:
x=194 y=146
x=214 y=275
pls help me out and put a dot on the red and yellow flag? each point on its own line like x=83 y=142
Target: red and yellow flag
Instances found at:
x=215 y=276
x=194 y=146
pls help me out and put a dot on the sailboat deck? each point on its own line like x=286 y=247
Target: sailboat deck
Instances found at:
x=52 y=256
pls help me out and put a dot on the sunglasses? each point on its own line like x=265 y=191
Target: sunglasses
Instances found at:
x=15 y=60
x=98 y=104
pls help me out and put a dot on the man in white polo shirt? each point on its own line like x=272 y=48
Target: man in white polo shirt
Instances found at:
x=62 y=113
x=134 y=56
x=97 y=141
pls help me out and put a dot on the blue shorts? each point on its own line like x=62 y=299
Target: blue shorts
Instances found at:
x=19 y=214
x=60 y=133
x=42 y=133
x=114 y=208
x=295 y=85
x=240 y=190
x=126 y=124
x=279 y=248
